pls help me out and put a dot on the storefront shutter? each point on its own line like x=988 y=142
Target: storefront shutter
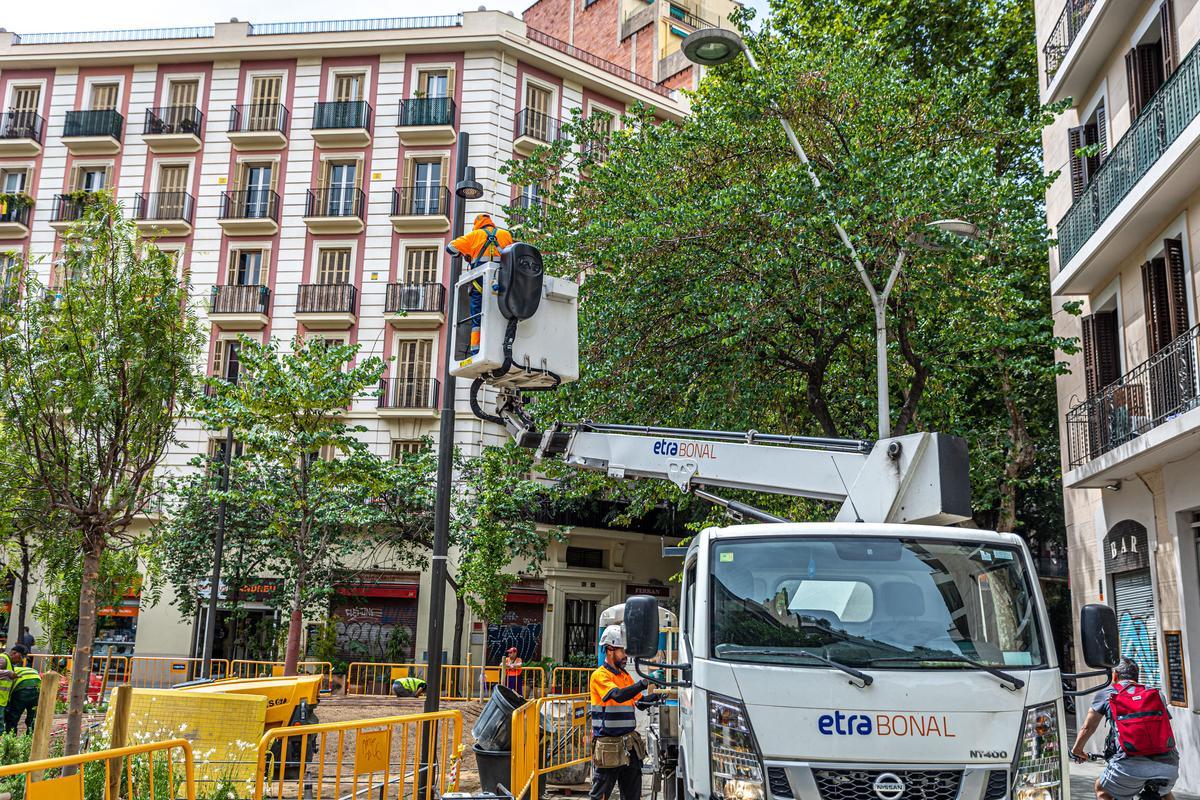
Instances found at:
x=1133 y=597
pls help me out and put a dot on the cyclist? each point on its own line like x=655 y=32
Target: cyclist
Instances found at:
x=1139 y=749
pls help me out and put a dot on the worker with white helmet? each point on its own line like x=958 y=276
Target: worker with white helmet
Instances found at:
x=617 y=748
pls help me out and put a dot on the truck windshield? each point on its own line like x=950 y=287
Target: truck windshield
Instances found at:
x=878 y=603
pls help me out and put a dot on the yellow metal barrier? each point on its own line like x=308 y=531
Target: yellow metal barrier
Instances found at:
x=162 y=672
x=243 y=668
x=107 y=671
x=570 y=680
x=144 y=777
x=548 y=734
x=531 y=683
x=413 y=757
x=459 y=681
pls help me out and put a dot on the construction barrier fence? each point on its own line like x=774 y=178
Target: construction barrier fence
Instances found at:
x=242 y=668
x=549 y=735
x=459 y=681
x=570 y=680
x=155 y=771
x=165 y=672
x=106 y=672
x=413 y=757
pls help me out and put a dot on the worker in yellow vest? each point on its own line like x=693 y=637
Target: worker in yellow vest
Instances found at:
x=7 y=675
x=26 y=689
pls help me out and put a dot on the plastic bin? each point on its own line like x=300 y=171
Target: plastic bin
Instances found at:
x=495 y=769
x=493 y=729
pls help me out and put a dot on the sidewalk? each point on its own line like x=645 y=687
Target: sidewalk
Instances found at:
x=1083 y=782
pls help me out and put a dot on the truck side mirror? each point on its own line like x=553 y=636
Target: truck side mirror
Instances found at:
x=1099 y=637
x=641 y=626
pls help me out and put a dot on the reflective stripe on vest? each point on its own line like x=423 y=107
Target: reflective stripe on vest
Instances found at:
x=613 y=719
x=26 y=675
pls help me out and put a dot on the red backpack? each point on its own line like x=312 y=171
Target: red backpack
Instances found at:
x=1140 y=717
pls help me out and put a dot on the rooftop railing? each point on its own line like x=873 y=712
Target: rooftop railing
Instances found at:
x=596 y=61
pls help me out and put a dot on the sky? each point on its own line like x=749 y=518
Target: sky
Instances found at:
x=24 y=16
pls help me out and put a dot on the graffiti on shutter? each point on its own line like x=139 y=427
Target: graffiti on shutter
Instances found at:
x=1133 y=597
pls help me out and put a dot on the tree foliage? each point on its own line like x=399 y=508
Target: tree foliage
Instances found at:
x=94 y=376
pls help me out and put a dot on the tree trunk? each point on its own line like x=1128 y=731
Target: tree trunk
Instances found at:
x=292 y=654
x=460 y=615
x=23 y=600
x=81 y=667
x=1022 y=451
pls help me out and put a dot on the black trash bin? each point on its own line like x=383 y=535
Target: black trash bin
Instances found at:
x=495 y=769
x=493 y=729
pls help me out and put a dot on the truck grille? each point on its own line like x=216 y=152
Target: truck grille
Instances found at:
x=780 y=787
x=997 y=785
x=859 y=784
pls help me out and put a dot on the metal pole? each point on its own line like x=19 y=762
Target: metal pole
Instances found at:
x=877 y=304
x=441 y=516
x=214 y=589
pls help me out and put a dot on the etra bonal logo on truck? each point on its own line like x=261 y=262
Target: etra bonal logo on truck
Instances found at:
x=905 y=725
x=665 y=447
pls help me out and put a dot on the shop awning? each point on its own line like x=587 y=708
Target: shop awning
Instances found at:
x=398 y=590
x=526 y=596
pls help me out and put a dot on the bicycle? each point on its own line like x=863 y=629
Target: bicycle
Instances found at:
x=1151 y=791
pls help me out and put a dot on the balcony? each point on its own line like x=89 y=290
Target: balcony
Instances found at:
x=326 y=306
x=426 y=120
x=252 y=212
x=1085 y=36
x=1142 y=420
x=405 y=397
x=414 y=306
x=335 y=210
x=533 y=129
x=164 y=213
x=68 y=209
x=1144 y=178
x=259 y=126
x=342 y=124
x=173 y=129
x=21 y=133
x=421 y=209
x=527 y=210
x=240 y=308
x=93 y=133
x=15 y=211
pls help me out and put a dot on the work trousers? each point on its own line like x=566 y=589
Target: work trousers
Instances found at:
x=627 y=778
x=24 y=700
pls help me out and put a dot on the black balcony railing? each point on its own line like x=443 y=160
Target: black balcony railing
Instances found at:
x=414 y=297
x=1159 y=124
x=15 y=208
x=527 y=210
x=22 y=125
x=342 y=114
x=426 y=111
x=535 y=125
x=69 y=207
x=408 y=393
x=326 y=298
x=337 y=201
x=1153 y=392
x=690 y=19
x=93 y=123
x=250 y=204
x=421 y=201
x=165 y=206
x=258 y=118
x=228 y=299
x=173 y=119
x=1070 y=22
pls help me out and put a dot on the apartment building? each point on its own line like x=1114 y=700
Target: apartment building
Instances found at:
x=302 y=174
x=1126 y=214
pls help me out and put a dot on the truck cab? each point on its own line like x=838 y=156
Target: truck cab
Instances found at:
x=833 y=661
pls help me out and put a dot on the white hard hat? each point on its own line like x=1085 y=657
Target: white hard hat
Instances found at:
x=613 y=636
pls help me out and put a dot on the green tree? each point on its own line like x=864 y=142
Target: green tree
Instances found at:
x=729 y=301
x=94 y=376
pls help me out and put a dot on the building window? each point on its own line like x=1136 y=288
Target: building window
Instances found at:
x=406 y=447
x=91 y=178
x=427 y=185
x=10 y=269
x=216 y=449
x=103 y=96
x=414 y=360
x=1152 y=60
x=349 y=87
x=1101 y=348
x=333 y=265
x=26 y=99
x=1091 y=134
x=258 y=181
x=226 y=364
x=421 y=265
x=182 y=94
x=246 y=268
x=434 y=83
x=585 y=557
x=538 y=101
x=13 y=180
x=1164 y=290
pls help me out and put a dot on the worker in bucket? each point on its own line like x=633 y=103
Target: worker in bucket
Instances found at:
x=617 y=748
x=408 y=687
x=483 y=243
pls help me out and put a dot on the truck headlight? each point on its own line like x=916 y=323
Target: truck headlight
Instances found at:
x=737 y=768
x=1038 y=774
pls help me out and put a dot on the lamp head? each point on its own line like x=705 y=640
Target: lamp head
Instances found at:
x=959 y=227
x=709 y=47
x=469 y=188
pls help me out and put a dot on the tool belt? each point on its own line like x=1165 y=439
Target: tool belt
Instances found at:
x=610 y=752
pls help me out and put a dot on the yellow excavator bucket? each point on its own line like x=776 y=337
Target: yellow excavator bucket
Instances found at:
x=283 y=693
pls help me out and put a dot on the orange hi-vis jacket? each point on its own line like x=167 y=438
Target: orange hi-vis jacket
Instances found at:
x=470 y=245
x=611 y=717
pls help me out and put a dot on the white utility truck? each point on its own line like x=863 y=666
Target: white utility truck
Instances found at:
x=882 y=656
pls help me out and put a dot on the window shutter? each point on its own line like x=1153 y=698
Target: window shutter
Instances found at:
x=450 y=82
x=1090 y=373
x=1150 y=70
x=1157 y=299
x=108 y=177
x=1075 y=139
x=1170 y=42
x=1133 y=75
x=218 y=359
x=1107 y=342
x=1102 y=131
x=1176 y=280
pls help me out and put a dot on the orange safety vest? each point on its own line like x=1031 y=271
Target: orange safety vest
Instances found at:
x=512 y=671
x=610 y=717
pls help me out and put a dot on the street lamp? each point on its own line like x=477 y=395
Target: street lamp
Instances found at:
x=710 y=47
x=465 y=188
